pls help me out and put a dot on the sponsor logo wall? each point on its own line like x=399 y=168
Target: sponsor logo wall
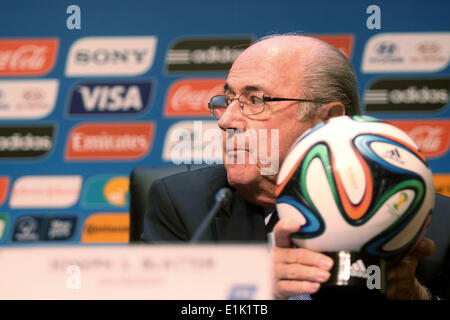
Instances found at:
x=23 y=142
x=431 y=136
x=106 y=228
x=27 y=99
x=407 y=95
x=109 y=98
x=44 y=228
x=111 y=141
x=189 y=97
x=27 y=57
x=205 y=54
x=80 y=110
x=111 y=56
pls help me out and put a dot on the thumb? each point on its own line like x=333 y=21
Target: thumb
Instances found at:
x=283 y=230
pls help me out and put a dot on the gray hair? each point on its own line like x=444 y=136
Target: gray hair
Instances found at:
x=328 y=76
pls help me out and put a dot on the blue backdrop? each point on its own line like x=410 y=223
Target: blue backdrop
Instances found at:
x=178 y=28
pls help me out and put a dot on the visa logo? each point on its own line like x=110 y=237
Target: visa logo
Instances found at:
x=112 y=99
x=94 y=98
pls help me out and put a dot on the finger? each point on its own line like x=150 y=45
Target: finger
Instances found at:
x=283 y=230
x=302 y=256
x=423 y=248
x=398 y=292
x=409 y=289
x=300 y=272
x=426 y=224
x=288 y=288
x=391 y=292
x=405 y=269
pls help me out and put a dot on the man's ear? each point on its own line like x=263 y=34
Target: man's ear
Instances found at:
x=332 y=109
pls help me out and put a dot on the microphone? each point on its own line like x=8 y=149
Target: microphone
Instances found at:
x=223 y=196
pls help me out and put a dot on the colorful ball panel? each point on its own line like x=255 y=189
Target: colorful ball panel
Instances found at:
x=356 y=184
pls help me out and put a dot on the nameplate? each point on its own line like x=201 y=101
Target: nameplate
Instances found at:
x=162 y=272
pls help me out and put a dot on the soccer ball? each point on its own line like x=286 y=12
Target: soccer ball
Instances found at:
x=356 y=184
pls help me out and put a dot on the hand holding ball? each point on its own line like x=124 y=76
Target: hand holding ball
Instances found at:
x=357 y=184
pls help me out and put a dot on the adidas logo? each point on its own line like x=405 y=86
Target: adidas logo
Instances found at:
x=358 y=270
x=394 y=155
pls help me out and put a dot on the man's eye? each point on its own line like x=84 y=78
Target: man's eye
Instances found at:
x=227 y=101
x=256 y=100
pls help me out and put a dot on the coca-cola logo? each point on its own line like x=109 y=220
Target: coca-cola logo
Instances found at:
x=428 y=138
x=343 y=42
x=4 y=186
x=27 y=56
x=190 y=97
x=431 y=136
x=187 y=97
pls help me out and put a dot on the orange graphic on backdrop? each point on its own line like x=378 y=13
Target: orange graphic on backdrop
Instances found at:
x=106 y=228
x=343 y=42
x=110 y=141
x=442 y=184
x=27 y=57
x=190 y=97
x=4 y=186
x=431 y=136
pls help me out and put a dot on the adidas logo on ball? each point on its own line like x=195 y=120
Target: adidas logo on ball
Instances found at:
x=358 y=269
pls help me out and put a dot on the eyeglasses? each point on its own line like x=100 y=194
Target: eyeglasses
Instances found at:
x=250 y=104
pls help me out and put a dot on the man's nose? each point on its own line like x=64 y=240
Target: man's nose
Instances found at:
x=232 y=117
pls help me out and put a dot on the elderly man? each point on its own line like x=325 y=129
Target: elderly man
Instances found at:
x=289 y=83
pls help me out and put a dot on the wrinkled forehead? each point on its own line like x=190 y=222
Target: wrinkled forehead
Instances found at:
x=271 y=63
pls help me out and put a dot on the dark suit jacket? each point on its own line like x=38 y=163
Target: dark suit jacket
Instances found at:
x=177 y=205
